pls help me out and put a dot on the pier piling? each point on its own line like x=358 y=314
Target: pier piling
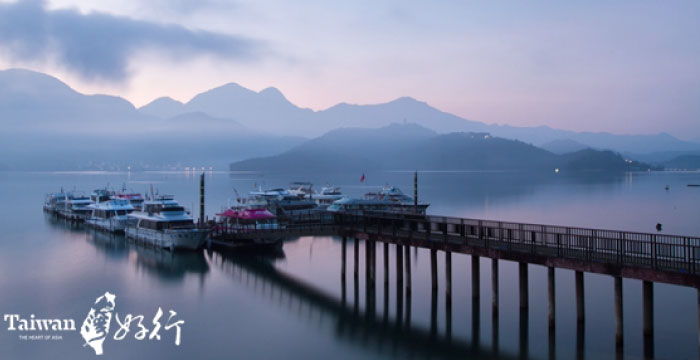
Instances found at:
x=476 y=282
x=433 y=269
x=551 y=308
x=407 y=251
x=399 y=263
x=357 y=259
x=448 y=274
x=522 y=270
x=580 y=303
x=619 y=318
x=648 y=318
x=386 y=264
x=494 y=286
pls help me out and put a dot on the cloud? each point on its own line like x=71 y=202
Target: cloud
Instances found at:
x=98 y=45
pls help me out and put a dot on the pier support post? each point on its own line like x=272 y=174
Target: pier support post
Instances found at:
x=386 y=264
x=619 y=324
x=698 y=291
x=343 y=257
x=522 y=270
x=551 y=308
x=648 y=318
x=580 y=303
x=433 y=268
x=494 y=286
x=408 y=268
x=476 y=282
x=399 y=264
x=448 y=275
x=357 y=258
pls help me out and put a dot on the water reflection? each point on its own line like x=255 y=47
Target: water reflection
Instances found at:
x=360 y=327
x=163 y=264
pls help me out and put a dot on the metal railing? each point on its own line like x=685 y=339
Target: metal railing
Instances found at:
x=655 y=251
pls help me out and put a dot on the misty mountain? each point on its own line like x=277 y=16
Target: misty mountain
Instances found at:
x=268 y=110
x=409 y=147
x=47 y=125
x=684 y=162
x=563 y=146
x=163 y=107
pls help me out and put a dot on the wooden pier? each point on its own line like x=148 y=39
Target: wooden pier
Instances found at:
x=647 y=257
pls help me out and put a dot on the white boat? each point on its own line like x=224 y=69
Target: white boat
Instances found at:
x=110 y=215
x=54 y=202
x=326 y=196
x=301 y=189
x=165 y=223
x=281 y=202
x=100 y=195
x=389 y=199
x=75 y=206
x=135 y=199
x=359 y=206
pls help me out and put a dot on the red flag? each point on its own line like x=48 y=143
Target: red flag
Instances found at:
x=362 y=179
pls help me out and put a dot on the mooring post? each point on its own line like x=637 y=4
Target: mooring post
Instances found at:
x=551 y=296
x=494 y=286
x=433 y=268
x=476 y=284
x=407 y=252
x=522 y=270
x=648 y=316
x=448 y=275
x=580 y=303
x=619 y=326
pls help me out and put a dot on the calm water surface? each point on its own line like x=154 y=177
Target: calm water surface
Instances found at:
x=292 y=305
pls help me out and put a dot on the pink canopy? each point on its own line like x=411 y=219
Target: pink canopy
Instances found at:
x=247 y=214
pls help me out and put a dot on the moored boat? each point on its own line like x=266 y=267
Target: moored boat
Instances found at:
x=54 y=202
x=75 y=206
x=163 y=222
x=110 y=215
x=247 y=228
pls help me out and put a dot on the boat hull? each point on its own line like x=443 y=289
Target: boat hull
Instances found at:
x=115 y=225
x=185 y=239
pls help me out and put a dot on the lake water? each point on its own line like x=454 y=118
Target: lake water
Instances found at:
x=291 y=305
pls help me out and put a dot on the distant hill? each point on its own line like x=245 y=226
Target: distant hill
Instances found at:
x=409 y=146
x=163 y=107
x=564 y=146
x=684 y=162
x=46 y=123
x=49 y=126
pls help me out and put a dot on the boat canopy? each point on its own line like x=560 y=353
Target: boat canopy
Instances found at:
x=247 y=214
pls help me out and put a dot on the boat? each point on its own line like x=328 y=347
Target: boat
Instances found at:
x=388 y=199
x=110 y=215
x=135 y=199
x=326 y=196
x=163 y=222
x=301 y=189
x=248 y=228
x=75 y=206
x=359 y=206
x=54 y=201
x=100 y=195
x=399 y=202
x=281 y=202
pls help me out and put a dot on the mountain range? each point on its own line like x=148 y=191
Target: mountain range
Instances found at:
x=47 y=124
x=410 y=146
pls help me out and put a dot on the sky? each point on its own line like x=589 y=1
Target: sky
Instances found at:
x=615 y=66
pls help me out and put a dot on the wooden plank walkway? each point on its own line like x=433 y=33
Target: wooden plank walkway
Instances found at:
x=651 y=257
